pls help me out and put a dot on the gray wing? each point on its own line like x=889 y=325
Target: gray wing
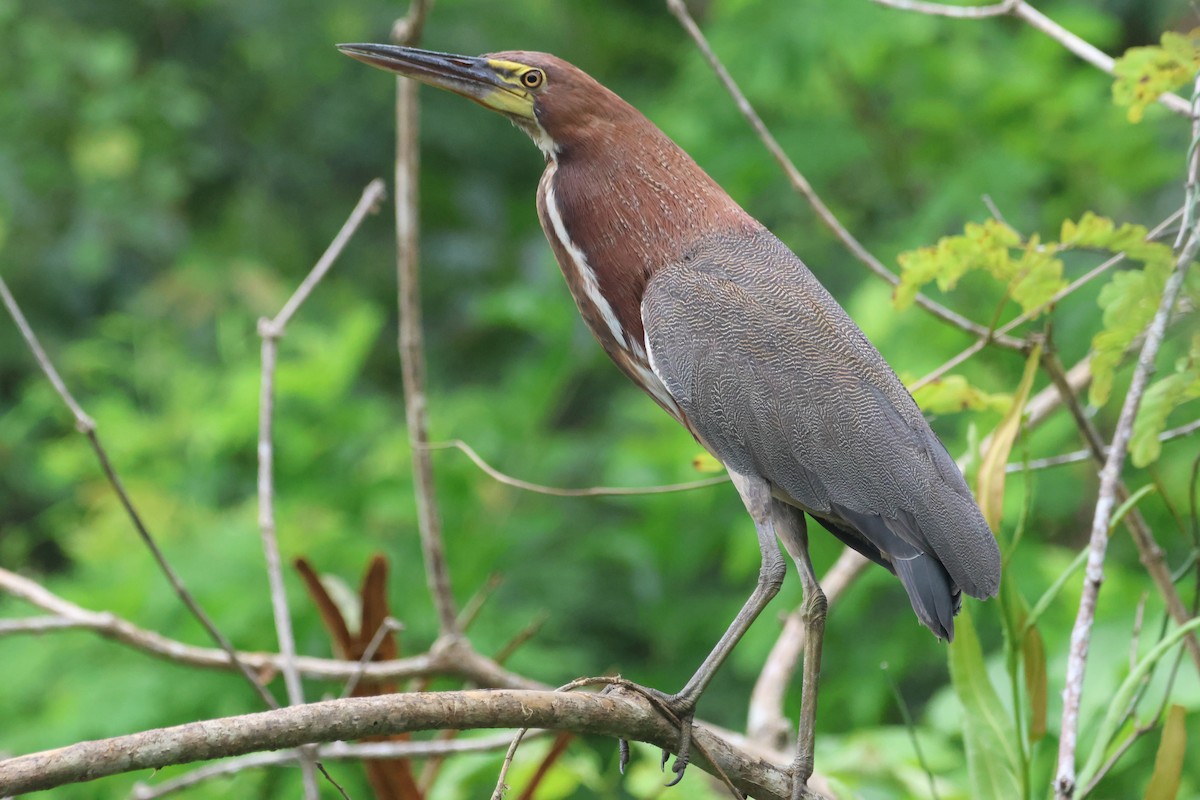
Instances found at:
x=777 y=380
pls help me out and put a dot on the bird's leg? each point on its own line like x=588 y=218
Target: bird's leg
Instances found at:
x=756 y=494
x=794 y=533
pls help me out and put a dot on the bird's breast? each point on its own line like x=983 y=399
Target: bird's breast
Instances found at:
x=617 y=326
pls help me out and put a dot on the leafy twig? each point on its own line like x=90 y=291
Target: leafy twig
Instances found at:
x=1149 y=552
x=1070 y=288
x=1110 y=476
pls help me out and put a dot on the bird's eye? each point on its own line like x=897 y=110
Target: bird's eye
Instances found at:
x=533 y=79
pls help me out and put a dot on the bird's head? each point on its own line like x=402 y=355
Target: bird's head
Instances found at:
x=556 y=103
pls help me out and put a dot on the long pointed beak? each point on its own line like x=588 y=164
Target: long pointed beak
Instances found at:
x=474 y=78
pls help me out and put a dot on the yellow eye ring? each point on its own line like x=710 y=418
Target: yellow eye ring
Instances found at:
x=533 y=79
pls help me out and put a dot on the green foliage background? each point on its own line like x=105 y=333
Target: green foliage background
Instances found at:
x=170 y=169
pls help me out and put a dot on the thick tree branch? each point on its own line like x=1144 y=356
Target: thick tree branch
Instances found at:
x=332 y=751
x=624 y=715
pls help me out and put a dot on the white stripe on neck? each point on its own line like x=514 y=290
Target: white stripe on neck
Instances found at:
x=587 y=276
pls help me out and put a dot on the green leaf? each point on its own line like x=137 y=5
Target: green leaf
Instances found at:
x=953 y=394
x=982 y=246
x=1163 y=397
x=1144 y=73
x=1034 y=651
x=1168 y=762
x=1124 y=694
x=1035 y=278
x=1129 y=301
x=1030 y=272
x=988 y=731
x=990 y=481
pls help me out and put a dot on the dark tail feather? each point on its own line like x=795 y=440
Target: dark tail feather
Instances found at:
x=930 y=592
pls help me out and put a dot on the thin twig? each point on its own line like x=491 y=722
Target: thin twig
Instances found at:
x=470 y=610
x=270 y=544
x=389 y=625
x=1110 y=475
x=36 y=625
x=271 y=331
x=1036 y=19
x=1084 y=455
x=87 y=427
x=589 y=491
x=410 y=338
x=956 y=12
x=804 y=188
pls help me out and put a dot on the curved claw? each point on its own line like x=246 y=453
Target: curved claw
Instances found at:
x=678 y=768
x=685 y=749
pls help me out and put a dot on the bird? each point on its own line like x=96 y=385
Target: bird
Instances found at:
x=734 y=337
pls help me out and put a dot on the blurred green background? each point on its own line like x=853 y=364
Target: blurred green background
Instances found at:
x=170 y=170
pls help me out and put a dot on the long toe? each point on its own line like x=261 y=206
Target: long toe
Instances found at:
x=684 y=755
x=684 y=713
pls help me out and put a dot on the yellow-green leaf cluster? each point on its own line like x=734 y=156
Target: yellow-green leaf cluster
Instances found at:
x=953 y=393
x=1144 y=73
x=1031 y=273
x=1161 y=399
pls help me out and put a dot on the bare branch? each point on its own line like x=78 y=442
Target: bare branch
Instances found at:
x=368 y=203
x=333 y=751
x=957 y=12
x=1110 y=477
x=590 y=491
x=389 y=625
x=36 y=625
x=1149 y=552
x=87 y=427
x=271 y=330
x=804 y=188
x=1036 y=19
x=451 y=659
x=353 y=718
x=411 y=338
x=1084 y=455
